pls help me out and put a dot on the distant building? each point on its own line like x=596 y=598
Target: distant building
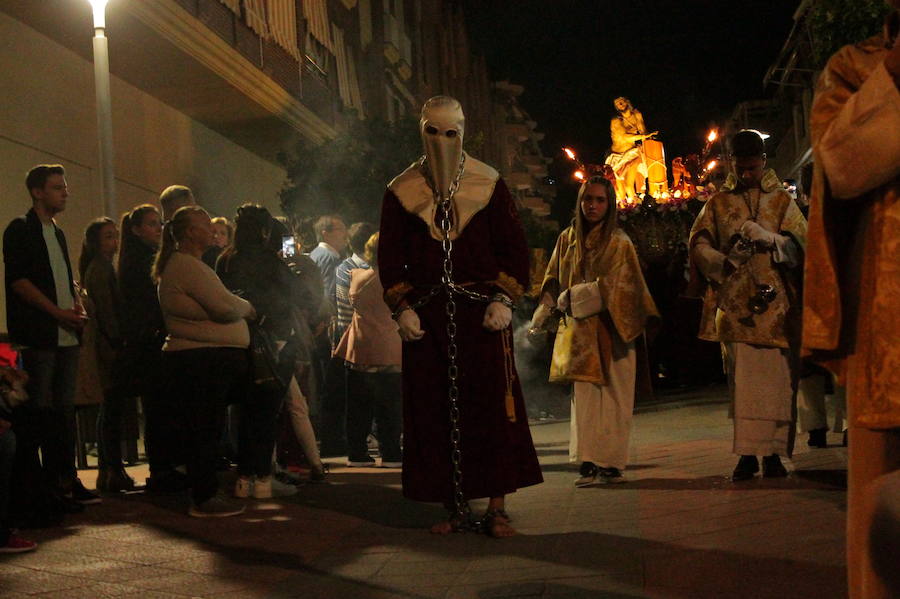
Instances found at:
x=207 y=93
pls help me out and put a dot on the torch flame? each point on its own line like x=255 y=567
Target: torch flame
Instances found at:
x=579 y=175
x=713 y=135
x=570 y=153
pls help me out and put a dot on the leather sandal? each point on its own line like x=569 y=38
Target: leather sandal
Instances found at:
x=493 y=518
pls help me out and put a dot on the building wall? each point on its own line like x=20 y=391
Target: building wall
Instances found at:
x=48 y=115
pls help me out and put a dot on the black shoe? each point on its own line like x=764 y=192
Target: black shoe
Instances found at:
x=67 y=505
x=844 y=442
x=82 y=495
x=588 y=474
x=773 y=468
x=817 y=438
x=170 y=481
x=611 y=475
x=746 y=467
x=587 y=469
x=114 y=480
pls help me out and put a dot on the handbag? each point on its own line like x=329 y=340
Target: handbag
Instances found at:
x=267 y=367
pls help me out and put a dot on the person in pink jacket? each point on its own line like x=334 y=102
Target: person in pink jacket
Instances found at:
x=371 y=349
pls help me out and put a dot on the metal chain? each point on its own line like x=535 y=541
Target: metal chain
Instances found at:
x=462 y=514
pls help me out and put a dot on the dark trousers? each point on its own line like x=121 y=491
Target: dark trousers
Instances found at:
x=257 y=431
x=51 y=389
x=164 y=436
x=201 y=381
x=333 y=399
x=374 y=395
x=7 y=455
x=110 y=426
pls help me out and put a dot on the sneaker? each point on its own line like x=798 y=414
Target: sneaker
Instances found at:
x=82 y=495
x=361 y=463
x=588 y=471
x=267 y=487
x=586 y=481
x=391 y=464
x=216 y=507
x=288 y=478
x=16 y=544
x=242 y=487
x=66 y=504
x=611 y=475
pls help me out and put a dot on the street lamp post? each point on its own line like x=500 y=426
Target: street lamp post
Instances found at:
x=104 y=107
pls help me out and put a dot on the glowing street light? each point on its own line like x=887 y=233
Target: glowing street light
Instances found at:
x=104 y=107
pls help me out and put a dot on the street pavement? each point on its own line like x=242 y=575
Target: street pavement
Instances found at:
x=677 y=529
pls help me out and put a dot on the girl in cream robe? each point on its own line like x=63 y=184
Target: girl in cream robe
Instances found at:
x=595 y=295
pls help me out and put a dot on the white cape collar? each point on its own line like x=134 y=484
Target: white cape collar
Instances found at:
x=476 y=186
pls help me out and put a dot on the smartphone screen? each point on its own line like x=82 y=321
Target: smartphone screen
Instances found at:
x=288 y=247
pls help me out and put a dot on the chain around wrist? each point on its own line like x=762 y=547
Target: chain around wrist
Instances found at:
x=503 y=299
x=396 y=313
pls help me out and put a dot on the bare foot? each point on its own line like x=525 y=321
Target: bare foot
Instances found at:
x=497 y=525
x=445 y=527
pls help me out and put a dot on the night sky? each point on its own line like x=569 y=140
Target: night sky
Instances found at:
x=684 y=64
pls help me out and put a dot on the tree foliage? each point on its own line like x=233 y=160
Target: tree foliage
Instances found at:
x=347 y=175
x=836 y=23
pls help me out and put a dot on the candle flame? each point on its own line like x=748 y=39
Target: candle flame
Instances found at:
x=712 y=164
x=579 y=175
x=713 y=135
x=570 y=153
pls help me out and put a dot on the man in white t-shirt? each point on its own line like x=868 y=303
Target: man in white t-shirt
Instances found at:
x=44 y=318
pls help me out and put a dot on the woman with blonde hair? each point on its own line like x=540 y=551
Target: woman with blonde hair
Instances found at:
x=205 y=355
x=595 y=295
x=223 y=232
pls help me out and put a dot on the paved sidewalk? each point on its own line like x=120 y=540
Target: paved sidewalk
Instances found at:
x=677 y=529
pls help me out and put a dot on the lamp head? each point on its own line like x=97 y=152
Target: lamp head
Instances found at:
x=99 y=7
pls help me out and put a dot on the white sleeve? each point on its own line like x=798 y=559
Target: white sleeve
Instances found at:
x=785 y=251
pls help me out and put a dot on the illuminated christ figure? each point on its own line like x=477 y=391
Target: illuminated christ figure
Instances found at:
x=626 y=129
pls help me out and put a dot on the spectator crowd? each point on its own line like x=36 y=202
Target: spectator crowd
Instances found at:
x=236 y=344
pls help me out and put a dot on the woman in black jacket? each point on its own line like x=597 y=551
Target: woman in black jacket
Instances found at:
x=251 y=268
x=143 y=332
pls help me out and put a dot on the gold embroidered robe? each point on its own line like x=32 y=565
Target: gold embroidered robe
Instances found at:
x=628 y=306
x=726 y=315
x=852 y=285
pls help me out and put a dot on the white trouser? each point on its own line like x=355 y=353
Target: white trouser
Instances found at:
x=601 y=414
x=812 y=412
x=760 y=382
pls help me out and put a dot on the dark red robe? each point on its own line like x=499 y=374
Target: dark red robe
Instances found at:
x=498 y=454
